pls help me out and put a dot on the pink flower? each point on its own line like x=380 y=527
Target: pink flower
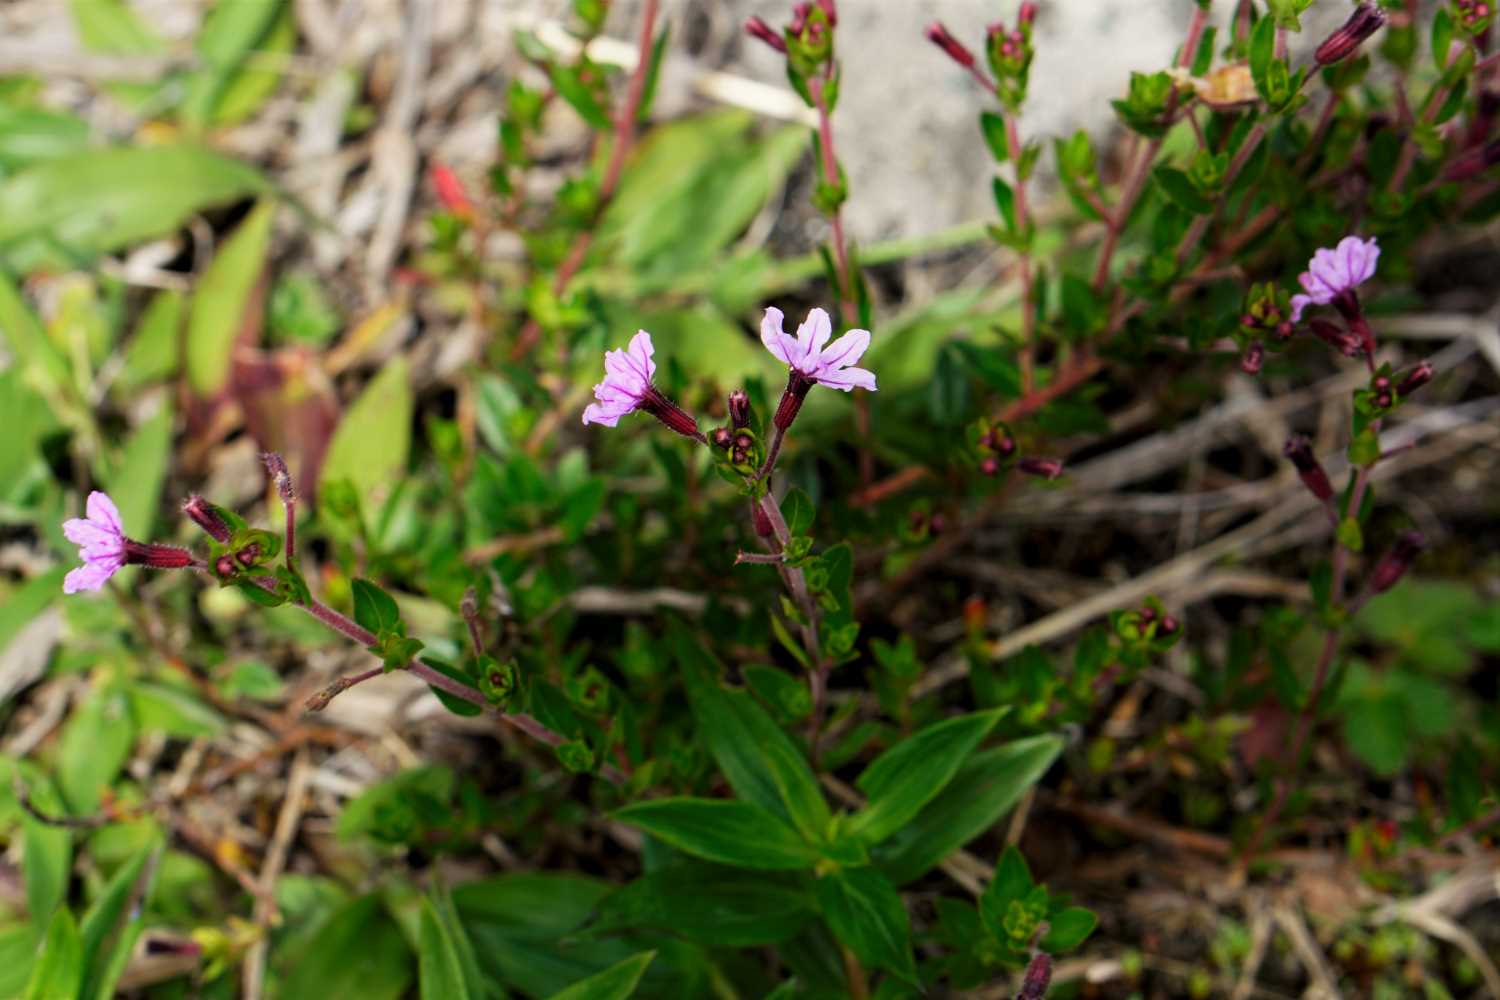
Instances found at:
x=627 y=387
x=1334 y=274
x=101 y=544
x=807 y=355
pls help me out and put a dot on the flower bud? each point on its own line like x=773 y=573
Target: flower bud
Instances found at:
x=1045 y=468
x=1416 y=378
x=938 y=35
x=1364 y=22
x=1253 y=358
x=450 y=192
x=276 y=466
x=757 y=28
x=669 y=413
x=1038 y=976
x=206 y=516
x=1299 y=450
x=739 y=408
x=830 y=11
x=1394 y=564
x=156 y=556
x=722 y=438
x=989 y=465
x=224 y=567
x=1027 y=14
x=798 y=386
x=249 y=555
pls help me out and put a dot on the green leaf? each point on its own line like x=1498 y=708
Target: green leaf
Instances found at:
x=59 y=972
x=982 y=791
x=172 y=711
x=993 y=127
x=1067 y=929
x=18 y=954
x=104 y=917
x=1262 y=55
x=910 y=774
x=1178 y=187
x=95 y=743
x=222 y=299
x=69 y=210
x=711 y=905
x=30 y=135
x=865 y=912
x=230 y=33
x=1350 y=536
x=760 y=761
x=359 y=952
x=135 y=482
x=440 y=973
x=797 y=511
x=46 y=850
x=1005 y=202
x=374 y=609
x=615 y=983
x=372 y=442
x=1378 y=732
x=447 y=914
x=578 y=95
x=252 y=84
x=154 y=353
x=723 y=830
x=1442 y=37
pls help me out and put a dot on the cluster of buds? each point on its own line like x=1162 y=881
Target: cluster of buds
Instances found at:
x=1385 y=391
x=1267 y=316
x=998 y=452
x=1009 y=53
x=1367 y=19
x=806 y=41
x=1144 y=632
x=1474 y=16
x=739 y=445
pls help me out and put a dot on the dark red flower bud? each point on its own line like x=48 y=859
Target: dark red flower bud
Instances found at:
x=1038 y=977
x=669 y=413
x=1027 y=14
x=939 y=36
x=797 y=387
x=989 y=465
x=224 y=567
x=206 y=516
x=1364 y=22
x=1394 y=564
x=756 y=28
x=156 y=556
x=249 y=555
x=1168 y=626
x=1046 y=468
x=1416 y=378
x=1299 y=450
x=830 y=11
x=739 y=408
x=722 y=438
x=1253 y=358
x=937 y=524
x=743 y=441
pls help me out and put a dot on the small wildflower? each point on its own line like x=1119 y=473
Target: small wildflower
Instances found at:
x=103 y=547
x=100 y=541
x=1364 y=22
x=814 y=361
x=627 y=387
x=1332 y=275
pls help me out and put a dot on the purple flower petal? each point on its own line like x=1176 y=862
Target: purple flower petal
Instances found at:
x=811 y=336
x=848 y=378
x=1299 y=303
x=87 y=533
x=627 y=377
x=846 y=350
x=1333 y=272
x=102 y=510
x=89 y=576
x=782 y=347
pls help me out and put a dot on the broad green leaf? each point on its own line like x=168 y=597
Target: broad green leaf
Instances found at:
x=865 y=912
x=42 y=364
x=172 y=711
x=758 y=758
x=374 y=609
x=440 y=972
x=155 y=352
x=447 y=915
x=615 y=983
x=392 y=809
x=66 y=211
x=232 y=30
x=710 y=904
x=359 y=952
x=218 y=311
x=59 y=972
x=29 y=135
x=113 y=26
x=372 y=441
x=136 y=479
x=27 y=420
x=982 y=791
x=95 y=743
x=910 y=774
x=250 y=86
x=797 y=511
x=46 y=850
x=22 y=605
x=18 y=948
x=1067 y=929
x=722 y=830
x=113 y=962
x=104 y=917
